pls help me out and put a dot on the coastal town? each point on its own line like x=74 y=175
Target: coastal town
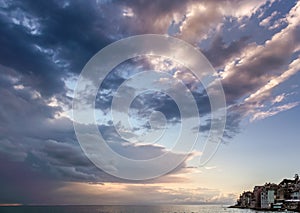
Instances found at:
x=271 y=196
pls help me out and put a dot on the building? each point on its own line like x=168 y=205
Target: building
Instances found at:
x=267 y=198
x=245 y=199
x=285 y=189
x=285 y=195
x=295 y=194
x=282 y=194
x=256 y=201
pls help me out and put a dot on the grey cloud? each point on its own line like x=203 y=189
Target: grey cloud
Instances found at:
x=32 y=134
x=23 y=114
x=259 y=68
x=146 y=22
x=145 y=103
x=219 y=53
x=157 y=16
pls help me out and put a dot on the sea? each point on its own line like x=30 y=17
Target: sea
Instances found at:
x=125 y=209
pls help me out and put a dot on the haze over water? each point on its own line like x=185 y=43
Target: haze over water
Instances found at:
x=125 y=209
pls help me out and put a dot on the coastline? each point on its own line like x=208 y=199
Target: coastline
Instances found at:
x=264 y=209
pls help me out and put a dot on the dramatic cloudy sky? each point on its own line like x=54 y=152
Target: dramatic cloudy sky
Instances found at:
x=254 y=46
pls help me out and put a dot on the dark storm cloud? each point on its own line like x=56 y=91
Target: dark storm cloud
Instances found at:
x=33 y=137
x=44 y=40
x=20 y=184
x=22 y=106
x=29 y=130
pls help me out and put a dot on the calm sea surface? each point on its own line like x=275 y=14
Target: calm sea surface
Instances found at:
x=122 y=209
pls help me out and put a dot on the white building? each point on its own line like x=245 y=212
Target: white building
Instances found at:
x=295 y=195
x=267 y=198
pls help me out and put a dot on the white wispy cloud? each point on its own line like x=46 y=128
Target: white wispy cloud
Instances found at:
x=260 y=114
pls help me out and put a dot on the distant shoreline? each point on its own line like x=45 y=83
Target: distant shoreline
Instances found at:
x=162 y=204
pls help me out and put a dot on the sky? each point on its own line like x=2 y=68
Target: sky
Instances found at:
x=253 y=46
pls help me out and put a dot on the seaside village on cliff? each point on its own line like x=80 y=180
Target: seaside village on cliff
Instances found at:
x=282 y=196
